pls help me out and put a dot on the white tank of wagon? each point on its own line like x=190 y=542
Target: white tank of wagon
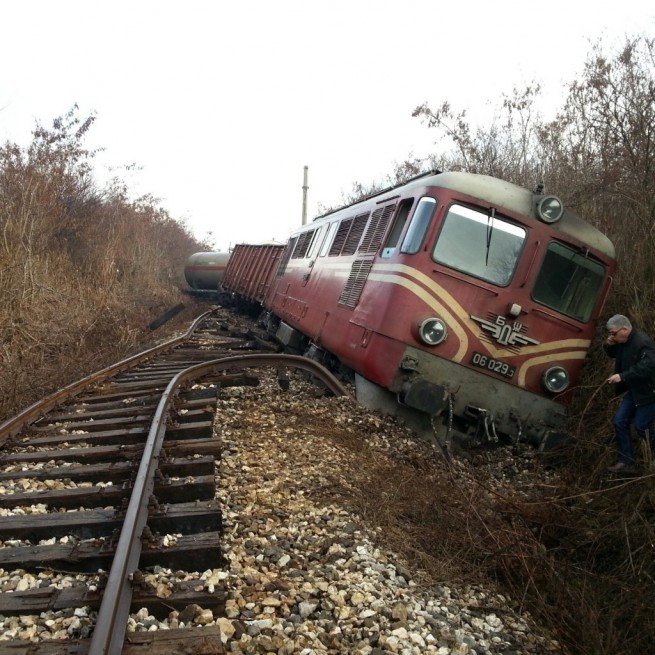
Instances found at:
x=204 y=271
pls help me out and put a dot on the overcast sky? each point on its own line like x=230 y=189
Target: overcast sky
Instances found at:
x=222 y=104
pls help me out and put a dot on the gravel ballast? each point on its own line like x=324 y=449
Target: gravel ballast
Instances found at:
x=310 y=576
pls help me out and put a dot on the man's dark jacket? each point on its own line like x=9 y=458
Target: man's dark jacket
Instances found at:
x=635 y=362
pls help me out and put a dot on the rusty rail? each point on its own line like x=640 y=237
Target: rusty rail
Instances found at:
x=13 y=425
x=109 y=633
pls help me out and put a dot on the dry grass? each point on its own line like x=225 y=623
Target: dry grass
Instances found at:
x=575 y=550
x=83 y=270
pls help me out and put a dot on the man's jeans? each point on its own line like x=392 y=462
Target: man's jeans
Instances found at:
x=642 y=416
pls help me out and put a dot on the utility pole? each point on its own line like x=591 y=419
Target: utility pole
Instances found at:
x=304 y=197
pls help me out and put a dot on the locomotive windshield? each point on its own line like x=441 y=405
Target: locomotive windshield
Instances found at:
x=569 y=281
x=479 y=244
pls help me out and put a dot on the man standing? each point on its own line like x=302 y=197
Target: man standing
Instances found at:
x=634 y=376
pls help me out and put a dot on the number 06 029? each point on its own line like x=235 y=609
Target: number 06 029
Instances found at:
x=493 y=365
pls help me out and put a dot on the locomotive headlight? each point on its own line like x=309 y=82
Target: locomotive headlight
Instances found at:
x=550 y=209
x=556 y=379
x=432 y=331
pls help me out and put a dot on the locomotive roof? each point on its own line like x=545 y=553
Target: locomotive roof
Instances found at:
x=515 y=198
x=521 y=200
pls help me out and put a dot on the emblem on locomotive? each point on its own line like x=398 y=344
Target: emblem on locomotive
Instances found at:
x=506 y=334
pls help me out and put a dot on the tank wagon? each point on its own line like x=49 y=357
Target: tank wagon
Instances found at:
x=463 y=298
x=204 y=271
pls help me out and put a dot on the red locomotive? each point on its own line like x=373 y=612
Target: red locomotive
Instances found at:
x=458 y=295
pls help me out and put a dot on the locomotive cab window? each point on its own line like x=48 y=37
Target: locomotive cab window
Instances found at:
x=479 y=243
x=418 y=226
x=569 y=281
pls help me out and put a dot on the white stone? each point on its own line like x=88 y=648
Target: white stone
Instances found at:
x=226 y=627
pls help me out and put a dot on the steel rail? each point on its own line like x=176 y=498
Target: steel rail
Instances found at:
x=13 y=425
x=109 y=633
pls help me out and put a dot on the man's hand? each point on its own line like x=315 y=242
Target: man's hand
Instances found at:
x=614 y=379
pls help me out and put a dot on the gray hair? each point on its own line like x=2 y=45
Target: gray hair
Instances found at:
x=619 y=321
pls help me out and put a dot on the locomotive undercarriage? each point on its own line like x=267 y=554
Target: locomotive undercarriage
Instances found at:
x=295 y=342
x=475 y=427
x=468 y=408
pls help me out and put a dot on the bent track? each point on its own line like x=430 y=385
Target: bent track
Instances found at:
x=117 y=473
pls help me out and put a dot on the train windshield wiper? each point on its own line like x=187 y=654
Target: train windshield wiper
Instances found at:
x=490 y=228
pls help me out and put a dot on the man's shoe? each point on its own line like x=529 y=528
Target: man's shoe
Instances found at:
x=621 y=467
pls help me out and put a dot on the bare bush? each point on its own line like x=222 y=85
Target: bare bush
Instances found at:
x=83 y=270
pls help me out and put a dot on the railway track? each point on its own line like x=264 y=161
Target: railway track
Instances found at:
x=113 y=477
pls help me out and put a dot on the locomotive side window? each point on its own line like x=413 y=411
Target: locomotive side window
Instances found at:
x=568 y=281
x=479 y=244
x=398 y=227
x=328 y=239
x=315 y=241
x=418 y=226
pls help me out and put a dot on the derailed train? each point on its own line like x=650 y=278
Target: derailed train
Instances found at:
x=454 y=297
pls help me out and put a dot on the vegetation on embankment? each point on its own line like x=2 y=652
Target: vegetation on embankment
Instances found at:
x=83 y=268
